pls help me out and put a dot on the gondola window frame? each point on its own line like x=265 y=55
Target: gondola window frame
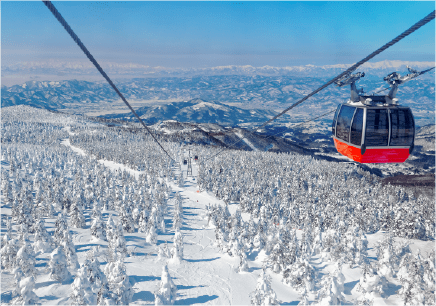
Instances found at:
x=349 y=122
x=373 y=142
x=335 y=119
x=358 y=109
x=412 y=127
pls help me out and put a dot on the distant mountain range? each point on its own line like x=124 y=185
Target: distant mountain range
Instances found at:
x=197 y=111
x=269 y=93
x=84 y=67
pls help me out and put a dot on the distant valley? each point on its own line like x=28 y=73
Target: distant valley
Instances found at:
x=267 y=93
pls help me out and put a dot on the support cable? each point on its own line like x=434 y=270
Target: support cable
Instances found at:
x=73 y=35
x=409 y=31
x=313 y=119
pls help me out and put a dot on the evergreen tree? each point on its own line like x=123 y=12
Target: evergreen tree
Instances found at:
x=167 y=292
x=243 y=265
x=177 y=254
x=8 y=253
x=118 y=281
x=370 y=284
x=77 y=219
x=126 y=219
x=26 y=260
x=414 y=290
x=81 y=289
x=60 y=227
x=331 y=292
x=143 y=221
x=26 y=296
x=58 y=265
x=264 y=294
x=111 y=228
x=151 y=232
x=18 y=276
x=95 y=276
x=117 y=244
x=97 y=229
x=70 y=250
x=300 y=275
x=43 y=241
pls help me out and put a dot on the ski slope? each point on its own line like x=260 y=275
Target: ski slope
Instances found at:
x=205 y=275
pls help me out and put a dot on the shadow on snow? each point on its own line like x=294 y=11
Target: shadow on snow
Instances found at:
x=200 y=260
x=197 y=300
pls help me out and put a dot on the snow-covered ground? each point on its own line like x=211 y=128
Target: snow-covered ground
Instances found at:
x=205 y=275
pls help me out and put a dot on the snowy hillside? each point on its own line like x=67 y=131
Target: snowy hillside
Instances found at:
x=263 y=94
x=96 y=214
x=62 y=68
x=197 y=111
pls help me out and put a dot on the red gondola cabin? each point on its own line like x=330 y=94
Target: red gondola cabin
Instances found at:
x=374 y=134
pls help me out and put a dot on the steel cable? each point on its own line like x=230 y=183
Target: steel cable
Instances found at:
x=409 y=31
x=73 y=35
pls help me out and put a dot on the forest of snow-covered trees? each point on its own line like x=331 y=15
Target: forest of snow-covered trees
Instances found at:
x=78 y=230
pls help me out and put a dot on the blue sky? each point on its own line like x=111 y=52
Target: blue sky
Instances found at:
x=206 y=34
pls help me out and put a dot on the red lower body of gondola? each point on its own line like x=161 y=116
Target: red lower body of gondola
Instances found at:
x=388 y=155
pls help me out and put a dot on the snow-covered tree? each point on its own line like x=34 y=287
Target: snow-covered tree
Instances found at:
x=97 y=229
x=151 y=236
x=70 y=250
x=177 y=253
x=119 y=283
x=43 y=241
x=300 y=275
x=77 y=219
x=143 y=221
x=127 y=219
x=264 y=294
x=111 y=228
x=371 y=285
x=243 y=264
x=8 y=253
x=167 y=292
x=58 y=265
x=18 y=276
x=117 y=244
x=81 y=292
x=414 y=290
x=26 y=260
x=95 y=276
x=26 y=295
x=60 y=227
x=331 y=292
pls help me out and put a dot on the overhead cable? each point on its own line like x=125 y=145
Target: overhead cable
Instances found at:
x=73 y=35
x=409 y=31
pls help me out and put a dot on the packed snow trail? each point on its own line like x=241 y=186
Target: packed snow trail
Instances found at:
x=204 y=276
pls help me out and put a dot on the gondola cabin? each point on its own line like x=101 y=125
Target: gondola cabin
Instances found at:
x=375 y=129
x=374 y=134
x=185 y=162
x=196 y=157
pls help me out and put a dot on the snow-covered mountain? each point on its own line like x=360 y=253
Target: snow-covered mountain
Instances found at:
x=197 y=111
x=261 y=92
x=86 y=68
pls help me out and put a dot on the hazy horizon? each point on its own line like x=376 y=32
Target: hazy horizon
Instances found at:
x=209 y=34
